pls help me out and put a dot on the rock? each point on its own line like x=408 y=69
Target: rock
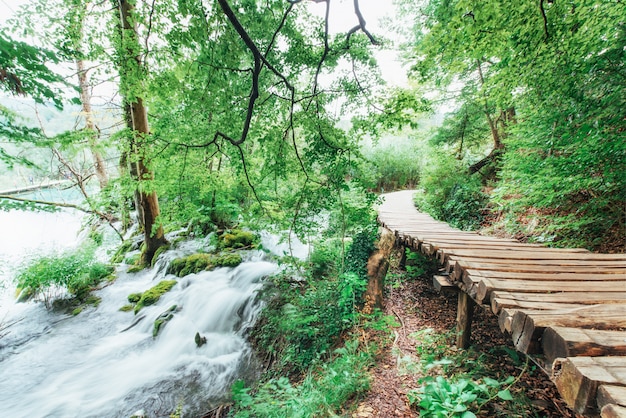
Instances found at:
x=163 y=319
x=200 y=341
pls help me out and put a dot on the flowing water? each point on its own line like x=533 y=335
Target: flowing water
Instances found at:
x=106 y=363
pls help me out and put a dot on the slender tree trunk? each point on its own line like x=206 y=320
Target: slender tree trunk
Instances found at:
x=495 y=135
x=90 y=126
x=137 y=121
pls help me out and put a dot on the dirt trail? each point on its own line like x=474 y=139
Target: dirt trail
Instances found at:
x=417 y=306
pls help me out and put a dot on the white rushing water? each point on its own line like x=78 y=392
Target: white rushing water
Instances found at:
x=106 y=363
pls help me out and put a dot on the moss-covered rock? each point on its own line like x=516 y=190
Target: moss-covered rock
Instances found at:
x=152 y=295
x=135 y=268
x=158 y=252
x=199 y=262
x=163 y=319
x=200 y=340
x=227 y=260
x=237 y=238
x=127 y=308
x=134 y=297
x=119 y=255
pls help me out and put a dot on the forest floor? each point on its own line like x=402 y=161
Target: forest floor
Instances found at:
x=417 y=306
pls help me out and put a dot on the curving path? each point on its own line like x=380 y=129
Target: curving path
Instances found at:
x=565 y=307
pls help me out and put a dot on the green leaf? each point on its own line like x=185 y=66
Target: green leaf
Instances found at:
x=505 y=395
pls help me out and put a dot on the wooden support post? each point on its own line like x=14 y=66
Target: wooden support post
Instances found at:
x=464 y=314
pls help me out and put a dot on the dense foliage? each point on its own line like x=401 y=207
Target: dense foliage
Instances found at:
x=540 y=87
x=48 y=277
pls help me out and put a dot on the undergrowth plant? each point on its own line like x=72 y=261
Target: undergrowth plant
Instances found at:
x=460 y=383
x=76 y=272
x=322 y=393
x=312 y=371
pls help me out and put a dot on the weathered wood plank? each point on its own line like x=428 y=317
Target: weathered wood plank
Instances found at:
x=516 y=263
x=609 y=394
x=443 y=285
x=613 y=411
x=534 y=266
x=528 y=326
x=539 y=254
x=578 y=378
x=608 y=275
x=581 y=298
x=569 y=342
x=498 y=304
x=486 y=286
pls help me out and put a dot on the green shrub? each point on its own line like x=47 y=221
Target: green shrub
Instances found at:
x=322 y=393
x=76 y=271
x=324 y=258
x=451 y=194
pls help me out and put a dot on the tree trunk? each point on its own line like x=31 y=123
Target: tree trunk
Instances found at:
x=90 y=126
x=137 y=121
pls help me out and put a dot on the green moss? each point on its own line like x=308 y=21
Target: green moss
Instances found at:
x=199 y=262
x=77 y=311
x=158 y=252
x=93 y=300
x=127 y=308
x=227 y=260
x=164 y=318
x=135 y=269
x=152 y=295
x=118 y=257
x=132 y=259
x=237 y=238
x=134 y=297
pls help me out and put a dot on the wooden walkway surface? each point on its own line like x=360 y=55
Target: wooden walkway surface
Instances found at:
x=565 y=307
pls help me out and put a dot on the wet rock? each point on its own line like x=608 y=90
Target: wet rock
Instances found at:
x=163 y=319
x=200 y=341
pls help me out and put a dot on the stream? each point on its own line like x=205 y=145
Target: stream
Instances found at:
x=106 y=363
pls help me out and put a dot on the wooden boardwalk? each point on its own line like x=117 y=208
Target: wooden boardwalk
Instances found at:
x=564 y=307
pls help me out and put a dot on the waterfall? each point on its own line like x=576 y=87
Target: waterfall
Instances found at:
x=105 y=362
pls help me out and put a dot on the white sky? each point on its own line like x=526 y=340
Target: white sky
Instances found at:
x=342 y=18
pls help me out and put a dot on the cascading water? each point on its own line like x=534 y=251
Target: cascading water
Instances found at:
x=106 y=363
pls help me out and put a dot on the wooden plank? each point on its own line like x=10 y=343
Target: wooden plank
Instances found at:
x=443 y=285
x=609 y=394
x=464 y=316
x=578 y=378
x=539 y=254
x=533 y=266
x=528 y=326
x=486 y=286
x=549 y=275
x=569 y=342
x=581 y=298
x=613 y=411
x=505 y=319
x=498 y=304
x=573 y=264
